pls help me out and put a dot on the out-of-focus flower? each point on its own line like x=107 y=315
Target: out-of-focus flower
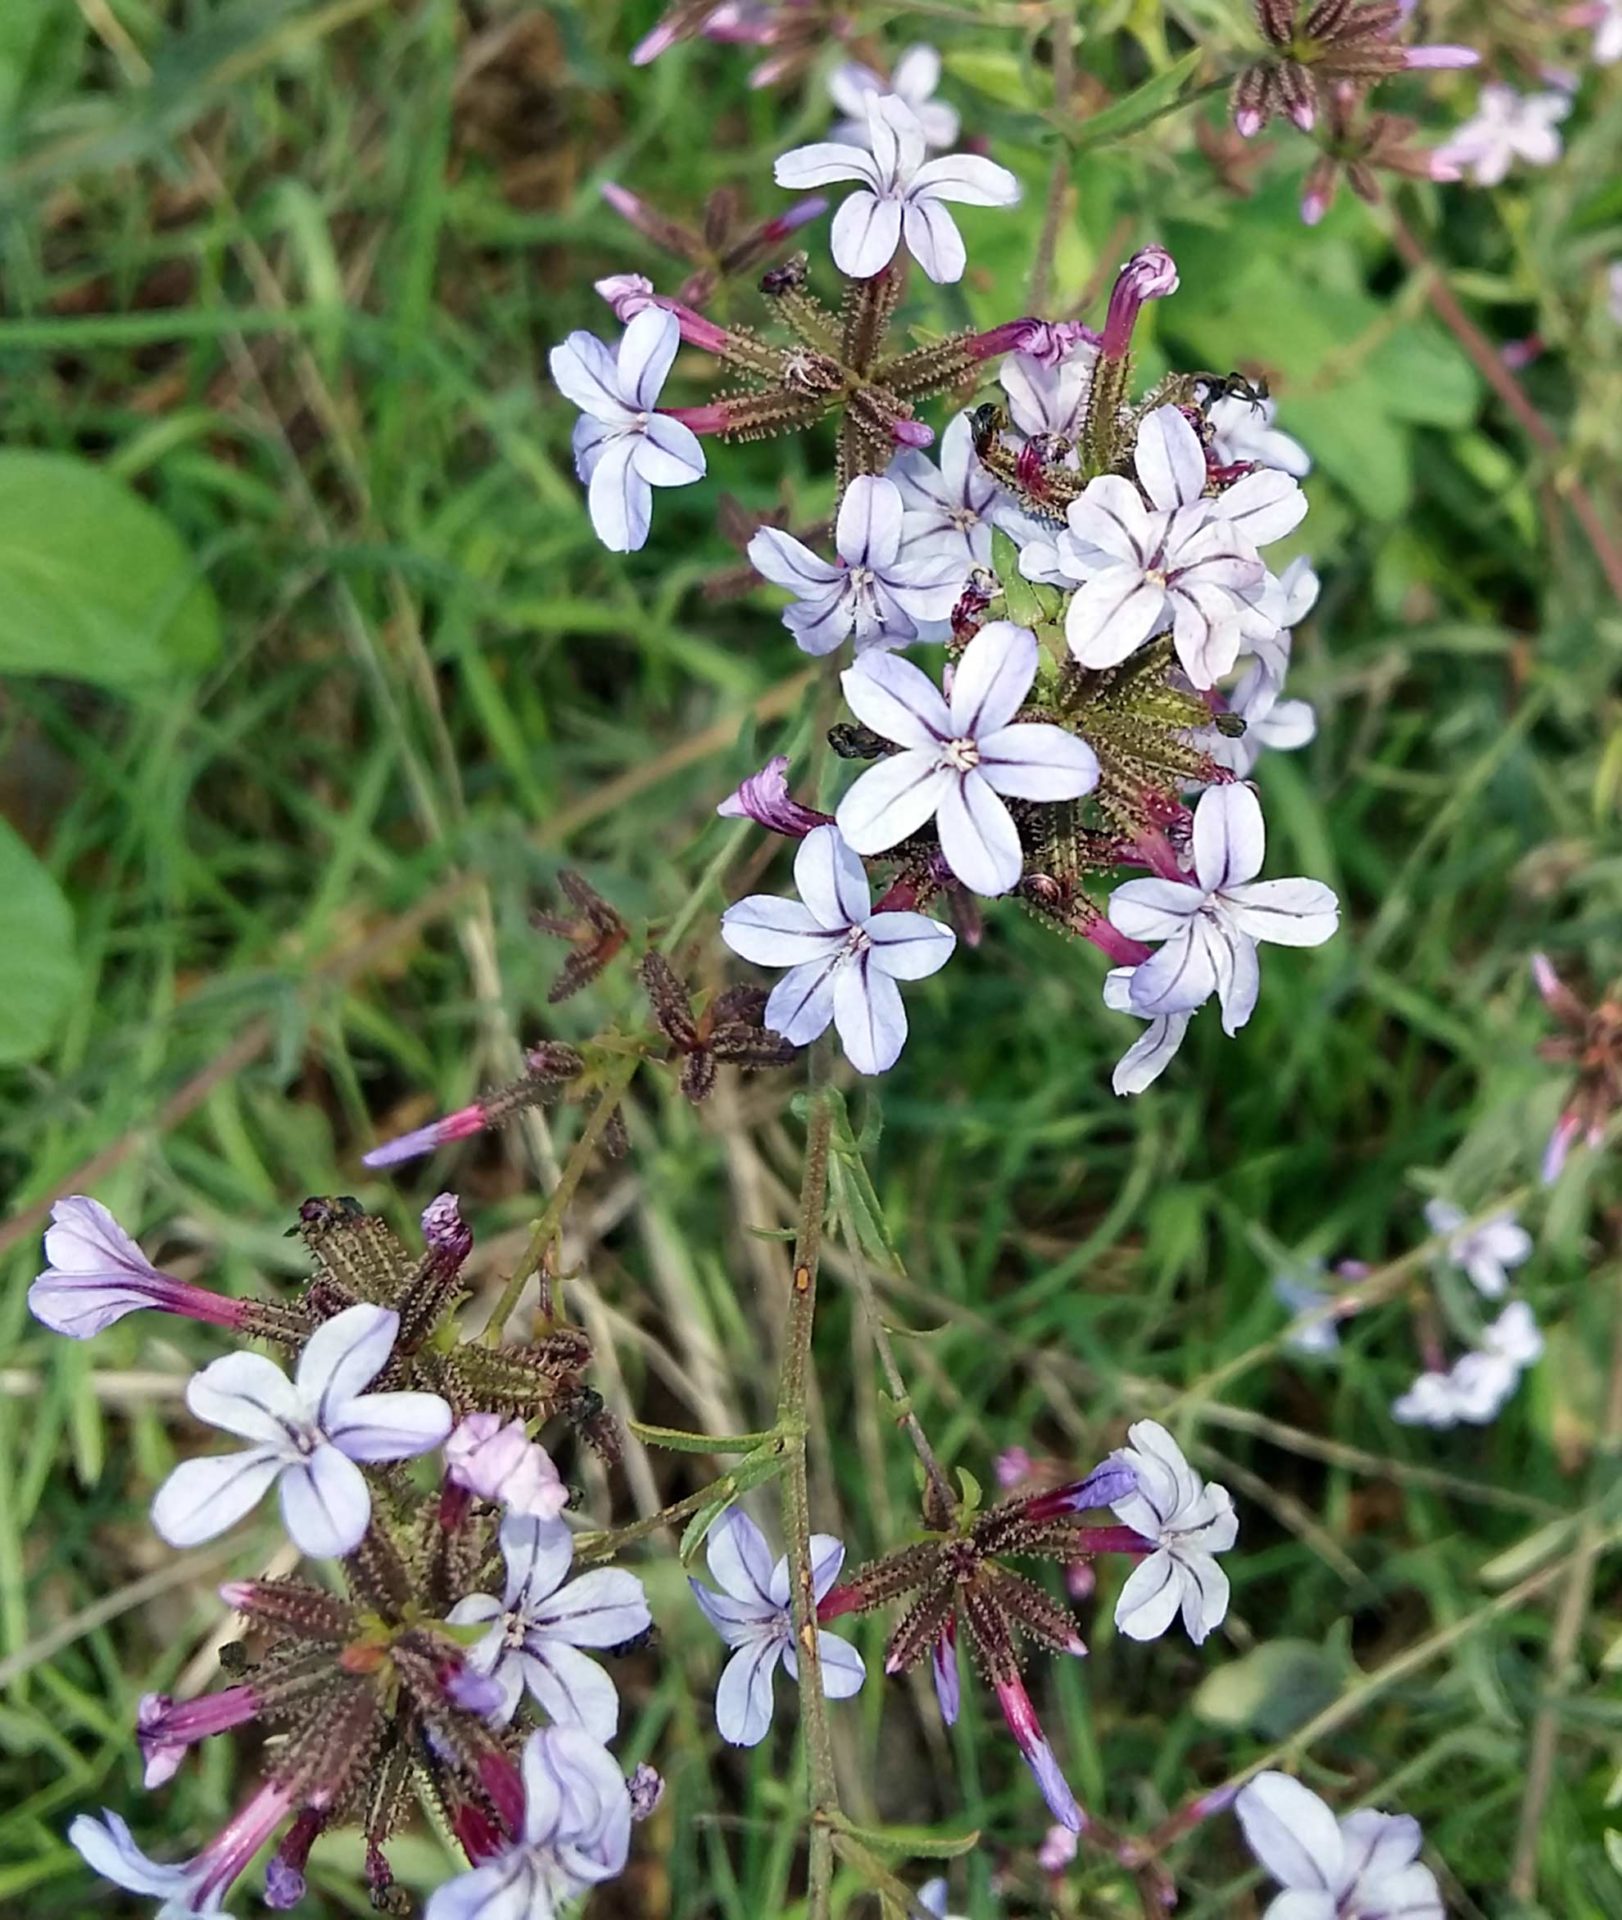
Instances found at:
x=576 y=1833
x=1243 y=431
x=498 y=1461
x=1209 y=929
x=916 y=76
x=903 y=195
x=726 y=245
x=753 y=1615
x=538 y=1628
x=1606 y=18
x=888 y=595
x=1592 y=1043
x=1304 y=1297
x=959 y=755
x=843 y=959
x=1507 y=126
x=1189 y=1523
x=1364 y=1867
x=622 y=448
x=1484 y=1252
x=1058 y=1849
x=932 y=1898
x=1480 y=1383
x=1271 y=724
x=306 y=1436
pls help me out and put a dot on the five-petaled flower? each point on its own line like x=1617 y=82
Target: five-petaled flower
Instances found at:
x=1507 y=126
x=1210 y=928
x=890 y=597
x=753 y=1616
x=576 y=1832
x=539 y=1626
x=622 y=448
x=959 y=754
x=1484 y=1252
x=913 y=81
x=951 y=509
x=902 y=194
x=1183 y=562
x=843 y=959
x=1189 y=1523
x=307 y=1435
x=1362 y=1867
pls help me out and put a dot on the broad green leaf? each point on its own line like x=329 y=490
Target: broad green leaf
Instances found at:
x=1137 y=108
x=39 y=973
x=94 y=583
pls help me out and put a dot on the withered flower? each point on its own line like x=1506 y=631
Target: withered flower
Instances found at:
x=728 y=1030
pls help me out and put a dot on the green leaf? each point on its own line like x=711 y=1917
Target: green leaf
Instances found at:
x=39 y=973
x=1275 y=1688
x=674 y=1440
x=1137 y=108
x=94 y=584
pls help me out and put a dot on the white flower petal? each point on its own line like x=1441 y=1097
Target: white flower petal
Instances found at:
x=787 y=562
x=869 y=1016
x=1264 y=506
x=646 y=354
x=1111 y=615
x=343 y=1356
x=831 y=880
x=1181 y=976
x=820 y=624
x=1149 y=1601
x=1036 y=760
x=585 y=372
x=802 y=1002
x=968 y=179
x=619 y=500
x=909 y=946
x=1290 y=913
x=893 y=799
x=390 y=1426
x=866 y=232
x=1230 y=839
x=1205 y=1595
x=1153 y=909
x=869 y=527
x=916 y=75
x=249 y=1395
x=738 y=1559
x=823 y=165
x=934 y=241
x=1169 y=460
x=537 y=1554
x=776 y=933
x=978 y=838
x=668 y=453
x=1292 y=1833
x=602 y=1608
x=743 y=1700
x=325 y=1504
x=571 y=1689
x=1110 y=523
x=1150 y=1054
x=992 y=679
x=202 y=1498
x=898 y=701
x=1239 y=990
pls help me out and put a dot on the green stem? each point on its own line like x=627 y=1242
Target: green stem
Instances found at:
x=608 y=1544
x=793 y=1385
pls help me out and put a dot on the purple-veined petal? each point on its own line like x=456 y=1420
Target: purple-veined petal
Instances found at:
x=1112 y=614
x=820 y=623
x=1150 y=1054
x=1165 y=1480
x=571 y=1689
x=1205 y=1595
x=739 y=1561
x=735 y=1620
x=1378 y=1844
x=1290 y=913
x=85 y=1240
x=866 y=232
x=992 y=678
x=1181 y=976
x=1238 y=991
x=743 y=1700
x=843 y=1668
x=868 y=1015
x=787 y=562
x=1206 y=631
x=934 y=241
x=827 y=1558
x=508 y=1888
x=602 y=1608
x=108 y=1848
x=202 y=1498
x=961 y=471
x=776 y=933
x=1230 y=839
x=824 y=164
x=944 y=1671
x=390 y=1426
x=868 y=532
x=585 y=372
x=344 y=1355
x=248 y=1395
x=325 y=1504
x=1149 y=1601
x=537 y=1554
x=1036 y=760
x=1264 y=506
x=831 y=880
x=968 y=179
x=1110 y=522
x=1153 y=909
x=896 y=138
x=922 y=485
x=909 y=946
x=668 y=453
x=893 y=799
x=1169 y=460
x=587 y=442
x=978 y=837
x=898 y=701
x=619 y=500
x=1411 y=1894
x=647 y=351
x=1292 y=1833
x=802 y=1002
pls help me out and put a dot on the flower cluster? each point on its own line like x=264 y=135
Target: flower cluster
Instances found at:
x=400 y=1674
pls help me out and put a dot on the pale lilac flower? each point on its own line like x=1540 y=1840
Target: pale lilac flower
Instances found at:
x=1606 y=19
x=1271 y=724
x=576 y=1834
x=190 y=1887
x=97 y=1274
x=1210 y=929
x=1484 y=1380
x=1303 y=1297
x=1058 y=1849
x=1364 y=1867
x=1183 y=562
x=499 y=1462
x=889 y=597
x=1188 y=1522
x=307 y=1434
x=622 y=448
x=903 y=195
x=916 y=76
x=165 y=1728
x=1243 y=430
x=1484 y=1252
x=540 y=1625
x=1507 y=126
x=1272 y=612
x=1154 y=1049
x=950 y=510
x=753 y=1616
x=958 y=755
x=843 y=959
x=764 y=798
x=1429 y=1401
x=1049 y=396
x=932 y=1898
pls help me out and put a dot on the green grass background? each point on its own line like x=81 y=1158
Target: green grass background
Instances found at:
x=290 y=271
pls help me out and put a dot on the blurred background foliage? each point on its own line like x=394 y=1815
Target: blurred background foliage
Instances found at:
x=314 y=672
